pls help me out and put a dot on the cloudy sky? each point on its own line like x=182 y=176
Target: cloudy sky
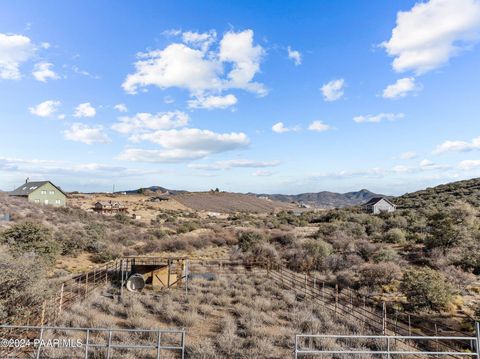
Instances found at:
x=242 y=95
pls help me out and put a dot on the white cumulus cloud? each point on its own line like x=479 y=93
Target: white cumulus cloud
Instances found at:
x=121 y=107
x=145 y=121
x=45 y=109
x=86 y=134
x=238 y=163
x=262 y=173
x=199 y=67
x=430 y=33
x=333 y=90
x=408 y=155
x=319 y=126
x=468 y=165
x=458 y=146
x=43 y=71
x=85 y=110
x=14 y=51
x=401 y=88
x=201 y=40
x=295 y=56
x=184 y=144
x=212 y=102
x=279 y=127
x=379 y=118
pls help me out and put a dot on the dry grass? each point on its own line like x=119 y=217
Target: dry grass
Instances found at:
x=229 y=202
x=232 y=316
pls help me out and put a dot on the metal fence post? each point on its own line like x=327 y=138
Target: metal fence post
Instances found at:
x=388 y=347
x=183 y=344
x=477 y=332
x=40 y=344
x=109 y=343
x=186 y=278
x=296 y=346
x=384 y=321
x=121 y=277
x=61 y=300
x=159 y=335
x=86 y=343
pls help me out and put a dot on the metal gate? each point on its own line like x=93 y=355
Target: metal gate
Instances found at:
x=44 y=342
x=385 y=346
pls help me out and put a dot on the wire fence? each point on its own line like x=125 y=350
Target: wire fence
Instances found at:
x=350 y=304
x=383 y=318
x=65 y=295
x=384 y=346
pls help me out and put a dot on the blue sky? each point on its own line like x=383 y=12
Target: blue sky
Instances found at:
x=271 y=97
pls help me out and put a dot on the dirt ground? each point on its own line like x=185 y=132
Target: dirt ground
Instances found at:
x=234 y=314
x=137 y=204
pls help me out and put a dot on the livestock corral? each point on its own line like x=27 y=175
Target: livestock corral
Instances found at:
x=225 y=309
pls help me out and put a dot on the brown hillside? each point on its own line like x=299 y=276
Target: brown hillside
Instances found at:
x=229 y=202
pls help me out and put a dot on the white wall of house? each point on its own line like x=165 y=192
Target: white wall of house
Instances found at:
x=383 y=206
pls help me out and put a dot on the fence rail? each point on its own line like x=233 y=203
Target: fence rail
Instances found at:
x=35 y=340
x=314 y=345
x=351 y=305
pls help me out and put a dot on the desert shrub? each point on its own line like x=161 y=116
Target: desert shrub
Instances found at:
x=187 y=227
x=31 y=237
x=342 y=241
x=376 y=275
x=72 y=239
x=394 y=235
x=158 y=233
x=248 y=239
x=385 y=255
x=346 y=279
x=373 y=224
x=284 y=239
x=106 y=253
x=173 y=245
x=96 y=231
x=477 y=312
x=122 y=218
x=326 y=229
x=469 y=258
x=365 y=249
x=448 y=227
x=426 y=288
x=298 y=260
x=290 y=218
x=317 y=250
x=263 y=253
x=23 y=284
x=394 y=220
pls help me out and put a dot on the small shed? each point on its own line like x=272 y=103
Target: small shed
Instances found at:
x=378 y=205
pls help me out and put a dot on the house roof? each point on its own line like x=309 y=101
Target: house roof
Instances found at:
x=375 y=200
x=27 y=188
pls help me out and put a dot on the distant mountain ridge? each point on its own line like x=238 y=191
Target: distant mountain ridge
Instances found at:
x=323 y=199
x=326 y=199
x=154 y=189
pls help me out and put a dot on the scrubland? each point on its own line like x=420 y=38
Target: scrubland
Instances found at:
x=424 y=258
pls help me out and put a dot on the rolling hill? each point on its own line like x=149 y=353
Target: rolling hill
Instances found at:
x=326 y=199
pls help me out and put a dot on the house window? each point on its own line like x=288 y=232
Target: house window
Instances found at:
x=43 y=191
x=46 y=201
x=57 y=201
x=37 y=201
x=51 y=192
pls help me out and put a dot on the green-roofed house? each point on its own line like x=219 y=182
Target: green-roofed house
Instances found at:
x=42 y=192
